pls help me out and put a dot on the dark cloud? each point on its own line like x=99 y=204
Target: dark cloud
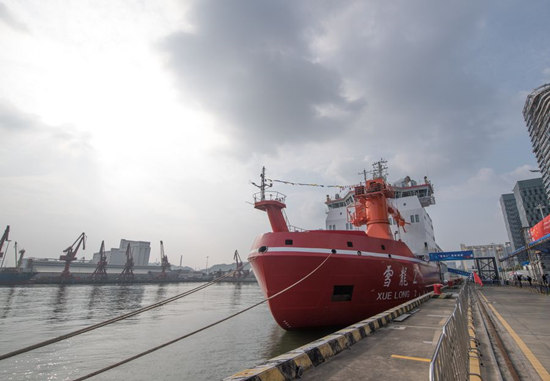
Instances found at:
x=250 y=63
x=7 y=18
x=432 y=74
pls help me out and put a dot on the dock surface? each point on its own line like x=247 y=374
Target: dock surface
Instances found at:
x=523 y=317
x=399 y=351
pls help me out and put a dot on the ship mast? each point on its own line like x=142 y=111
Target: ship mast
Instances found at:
x=380 y=170
x=262 y=185
x=273 y=207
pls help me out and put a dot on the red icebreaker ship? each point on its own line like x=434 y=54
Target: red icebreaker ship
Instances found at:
x=344 y=276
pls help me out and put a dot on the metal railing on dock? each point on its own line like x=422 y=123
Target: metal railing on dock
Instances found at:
x=451 y=359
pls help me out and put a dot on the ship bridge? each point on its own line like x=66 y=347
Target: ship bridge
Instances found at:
x=407 y=187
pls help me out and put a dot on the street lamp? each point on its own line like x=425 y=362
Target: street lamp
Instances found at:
x=539 y=207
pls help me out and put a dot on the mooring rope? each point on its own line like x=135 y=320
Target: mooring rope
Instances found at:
x=113 y=320
x=201 y=329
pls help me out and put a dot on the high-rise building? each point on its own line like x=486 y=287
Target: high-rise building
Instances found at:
x=512 y=220
x=531 y=201
x=537 y=116
x=522 y=210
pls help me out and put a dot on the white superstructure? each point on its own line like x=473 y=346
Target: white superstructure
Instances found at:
x=411 y=200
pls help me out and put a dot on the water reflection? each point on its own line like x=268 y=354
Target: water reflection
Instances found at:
x=236 y=295
x=59 y=304
x=95 y=293
x=282 y=341
x=128 y=297
x=7 y=303
x=161 y=292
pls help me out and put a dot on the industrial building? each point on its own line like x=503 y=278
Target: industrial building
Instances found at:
x=139 y=250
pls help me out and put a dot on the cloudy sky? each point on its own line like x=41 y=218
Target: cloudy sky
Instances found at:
x=147 y=120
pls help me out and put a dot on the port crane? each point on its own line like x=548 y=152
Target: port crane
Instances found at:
x=3 y=240
x=70 y=254
x=128 y=271
x=239 y=273
x=100 y=272
x=18 y=261
x=165 y=264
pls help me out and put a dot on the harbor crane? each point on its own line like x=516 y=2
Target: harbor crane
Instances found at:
x=128 y=271
x=3 y=240
x=70 y=254
x=100 y=272
x=165 y=264
x=239 y=273
x=18 y=260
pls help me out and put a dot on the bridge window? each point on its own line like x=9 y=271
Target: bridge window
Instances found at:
x=288 y=242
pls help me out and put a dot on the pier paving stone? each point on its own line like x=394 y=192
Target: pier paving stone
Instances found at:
x=371 y=358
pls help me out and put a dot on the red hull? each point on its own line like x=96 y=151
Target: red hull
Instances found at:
x=362 y=277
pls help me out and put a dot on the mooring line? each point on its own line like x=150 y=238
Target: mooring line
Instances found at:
x=113 y=320
x=200 y=329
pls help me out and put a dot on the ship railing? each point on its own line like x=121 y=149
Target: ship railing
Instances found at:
x=269 y=195
x=451 y=357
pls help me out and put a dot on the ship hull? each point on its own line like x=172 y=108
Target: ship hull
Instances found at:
x=361 y=277
x=15 y=277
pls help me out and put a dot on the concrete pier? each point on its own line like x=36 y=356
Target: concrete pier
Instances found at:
x=398 y=351
x=401 y=345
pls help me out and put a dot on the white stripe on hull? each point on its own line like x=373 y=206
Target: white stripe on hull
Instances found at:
x=319 y=250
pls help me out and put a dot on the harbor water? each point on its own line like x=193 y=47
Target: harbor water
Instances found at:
x=30 y=314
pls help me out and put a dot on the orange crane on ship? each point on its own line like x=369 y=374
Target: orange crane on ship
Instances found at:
x=70 y=255
x=371 y=207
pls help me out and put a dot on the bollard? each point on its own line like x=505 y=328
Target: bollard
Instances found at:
x=437 y=288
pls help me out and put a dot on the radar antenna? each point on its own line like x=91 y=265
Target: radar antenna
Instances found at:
x=380 y=170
